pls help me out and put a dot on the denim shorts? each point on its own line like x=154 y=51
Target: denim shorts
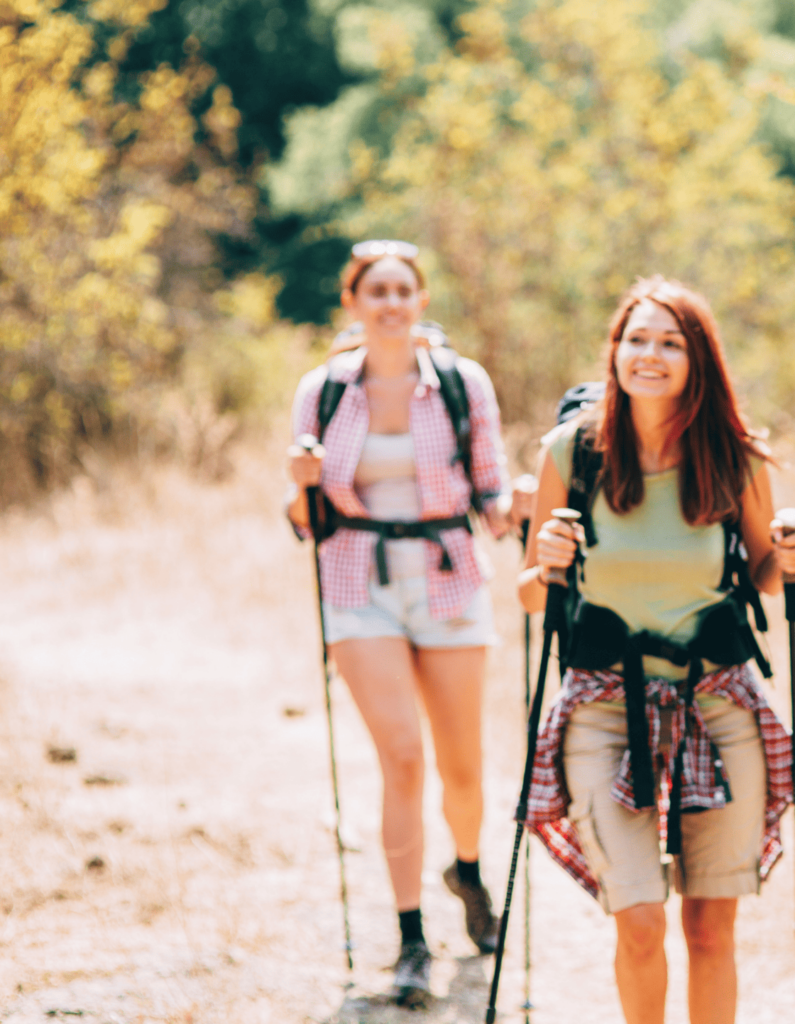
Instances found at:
x=401 y=609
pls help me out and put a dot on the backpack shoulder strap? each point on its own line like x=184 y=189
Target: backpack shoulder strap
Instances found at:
x=736 y=581
x=454 y=395
x=586 y=468
x=330 y=396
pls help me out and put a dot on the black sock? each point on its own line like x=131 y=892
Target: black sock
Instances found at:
x=411 y=925
x=468 y=871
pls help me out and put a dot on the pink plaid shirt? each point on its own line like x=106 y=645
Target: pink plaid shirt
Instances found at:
x=549 y=798
x=346 y=557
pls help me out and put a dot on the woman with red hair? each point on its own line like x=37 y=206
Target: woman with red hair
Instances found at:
x=661 y=730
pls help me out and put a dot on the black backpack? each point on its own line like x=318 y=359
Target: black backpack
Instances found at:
x=584 y=485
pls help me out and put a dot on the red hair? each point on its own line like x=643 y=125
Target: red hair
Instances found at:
x=715 y=442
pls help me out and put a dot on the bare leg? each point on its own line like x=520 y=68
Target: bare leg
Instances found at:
x=451 y=683
x=641 y=968
x=712 y=985
x=381 y=676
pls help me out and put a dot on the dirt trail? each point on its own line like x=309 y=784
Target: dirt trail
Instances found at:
x=182 y=868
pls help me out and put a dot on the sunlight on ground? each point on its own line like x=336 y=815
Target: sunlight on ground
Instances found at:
x=166 y=852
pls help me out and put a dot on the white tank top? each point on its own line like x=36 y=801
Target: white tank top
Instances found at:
x=386 y=483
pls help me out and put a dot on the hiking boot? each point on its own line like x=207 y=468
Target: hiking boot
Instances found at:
x=482 y=925
x=412 y=986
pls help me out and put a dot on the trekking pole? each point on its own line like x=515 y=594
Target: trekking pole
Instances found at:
x=556 y=594
x=786 y=516
x=309 y=443
x=529 y=485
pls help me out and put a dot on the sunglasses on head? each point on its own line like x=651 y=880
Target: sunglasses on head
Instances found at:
x=376 y=248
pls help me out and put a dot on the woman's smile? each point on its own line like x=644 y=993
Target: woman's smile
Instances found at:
x=652 y=359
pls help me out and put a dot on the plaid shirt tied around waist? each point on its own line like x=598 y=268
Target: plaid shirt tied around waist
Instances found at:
x=346 y=558
x=701 y=786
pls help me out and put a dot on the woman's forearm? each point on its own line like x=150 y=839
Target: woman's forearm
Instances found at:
x=767 y=577
x=297 y=508
x=532 y=589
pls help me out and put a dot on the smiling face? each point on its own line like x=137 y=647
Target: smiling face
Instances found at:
x=652 y=360
x=388 y=299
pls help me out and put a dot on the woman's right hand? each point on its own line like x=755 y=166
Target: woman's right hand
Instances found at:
x=305 y=465
x=556 y=545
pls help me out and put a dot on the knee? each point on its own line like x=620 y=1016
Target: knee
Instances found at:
x=709 y=927
x=404 y=768
x=462 y=781
x=641 y=931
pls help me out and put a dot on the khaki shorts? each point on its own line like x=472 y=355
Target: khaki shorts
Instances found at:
x=720 y=848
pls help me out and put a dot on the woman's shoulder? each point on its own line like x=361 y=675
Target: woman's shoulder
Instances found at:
x=473 y=373
x=344 y=367
x=310 y=385
x=562 y=434
x=559 y=442
x=759 y=454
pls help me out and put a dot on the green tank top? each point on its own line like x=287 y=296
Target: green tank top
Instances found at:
x=650 y=566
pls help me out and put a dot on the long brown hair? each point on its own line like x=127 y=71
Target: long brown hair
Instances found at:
x=715 y=442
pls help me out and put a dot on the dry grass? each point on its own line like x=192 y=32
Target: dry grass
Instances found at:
x=180 y=867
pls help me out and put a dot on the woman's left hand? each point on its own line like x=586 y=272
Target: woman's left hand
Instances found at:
x=783 y=548
x=511 y=511
x=524 y=490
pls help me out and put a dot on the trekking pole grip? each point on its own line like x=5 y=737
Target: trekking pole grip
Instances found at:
x=786 y=516
x=569 y=516
x=309 y=443
x=557 y=578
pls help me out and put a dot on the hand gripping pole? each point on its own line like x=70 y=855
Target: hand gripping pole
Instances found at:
x=313 y=497
x=553 y=617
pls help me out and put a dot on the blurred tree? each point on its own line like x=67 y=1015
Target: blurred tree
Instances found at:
x=108 y=209
x=274 y=55
x=543 y=183
x=313 y=186
x=754 y=42
x=278 y=57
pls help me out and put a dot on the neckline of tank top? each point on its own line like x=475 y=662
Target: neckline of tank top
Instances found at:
x=375 y=379
x=375 y=433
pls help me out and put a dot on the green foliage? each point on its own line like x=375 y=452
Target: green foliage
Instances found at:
x=108 y=209
x=275 y=55
x=543 y=195
x=386 y=45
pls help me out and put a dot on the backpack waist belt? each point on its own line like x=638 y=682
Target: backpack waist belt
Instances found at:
x=601 y=638
x=427 y=529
